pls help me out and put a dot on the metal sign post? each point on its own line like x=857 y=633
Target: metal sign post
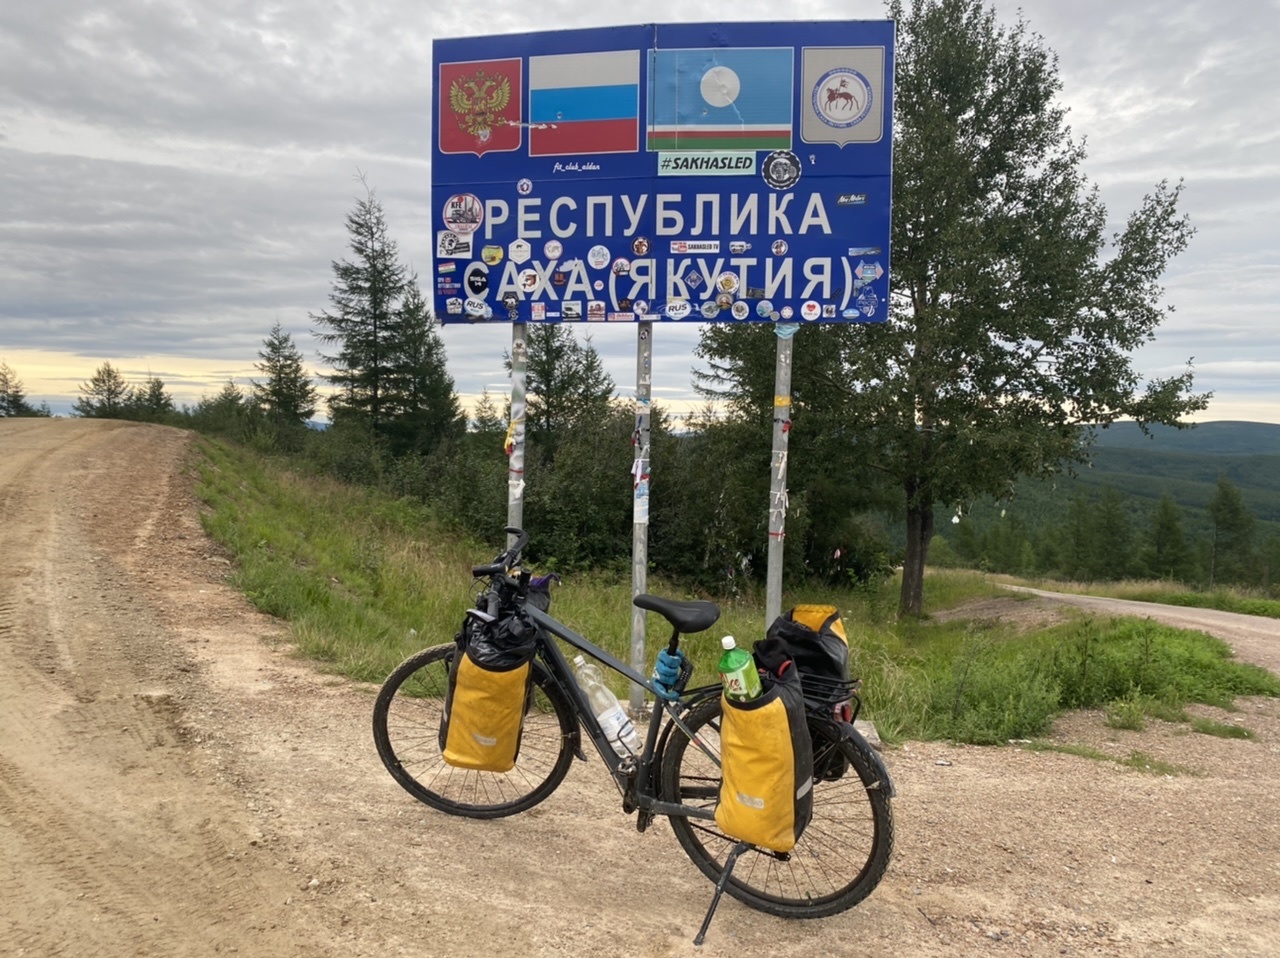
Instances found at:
x=640 y=484
x=516 y=431
x=778 y=471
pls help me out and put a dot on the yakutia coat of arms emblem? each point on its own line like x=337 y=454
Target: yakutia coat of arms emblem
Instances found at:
x=844 y=93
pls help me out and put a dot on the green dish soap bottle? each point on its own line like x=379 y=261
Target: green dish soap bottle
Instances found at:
x=737 y=669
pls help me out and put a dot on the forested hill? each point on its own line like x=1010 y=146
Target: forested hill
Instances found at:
x=1186 y=464
x=1211 y=438
x=1044 y=527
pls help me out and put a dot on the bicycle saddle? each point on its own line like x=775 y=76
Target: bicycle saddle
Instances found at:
x=692 y=616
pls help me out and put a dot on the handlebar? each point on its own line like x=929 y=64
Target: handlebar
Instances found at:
x=505 y=560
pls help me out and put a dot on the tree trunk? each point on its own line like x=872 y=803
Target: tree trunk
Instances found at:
x=919 y=534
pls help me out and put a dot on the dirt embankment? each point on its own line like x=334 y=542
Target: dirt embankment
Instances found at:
x=173 y=782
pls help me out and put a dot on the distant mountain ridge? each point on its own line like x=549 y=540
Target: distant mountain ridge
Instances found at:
x=1222 y=438
x=1184 y=464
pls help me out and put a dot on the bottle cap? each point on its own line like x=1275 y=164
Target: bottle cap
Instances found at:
x=728 y=643
x=579 y=660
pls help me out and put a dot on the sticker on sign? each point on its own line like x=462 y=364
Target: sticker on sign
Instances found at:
x=695 y=246
x=706 y=163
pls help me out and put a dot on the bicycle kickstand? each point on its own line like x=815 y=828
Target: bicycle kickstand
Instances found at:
x=729 y=862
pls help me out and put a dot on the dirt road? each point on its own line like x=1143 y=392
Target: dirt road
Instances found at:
x=173 y=782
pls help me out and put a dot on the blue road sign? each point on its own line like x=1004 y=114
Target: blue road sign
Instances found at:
x=728 y=172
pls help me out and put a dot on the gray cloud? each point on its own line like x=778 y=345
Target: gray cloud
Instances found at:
x=174 y=177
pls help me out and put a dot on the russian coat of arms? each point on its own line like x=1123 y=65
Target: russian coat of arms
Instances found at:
x=478 y=101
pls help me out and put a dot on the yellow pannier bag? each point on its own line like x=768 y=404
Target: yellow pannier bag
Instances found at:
x=766 y=758
x=484 y=715
x=489 y=685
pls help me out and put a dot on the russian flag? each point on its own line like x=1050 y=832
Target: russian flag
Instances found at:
x=721 y=98
x=584 y=103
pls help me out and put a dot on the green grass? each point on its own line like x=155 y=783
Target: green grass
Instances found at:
x=364 y=580
x=1219 y=729
x=1138 y=761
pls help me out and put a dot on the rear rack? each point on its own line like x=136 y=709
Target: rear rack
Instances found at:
x=822 y=695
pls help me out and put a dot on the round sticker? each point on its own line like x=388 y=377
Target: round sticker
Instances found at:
x=528 y=280
x=764 y=308
x=678 y=308
x=779 y=247
x=478 y=280
x=492 y=255
x=810 y=310
x=710 y=309
x=724 y=301
x=463 y=213
x=598 y=257
x=727 y=282
x=781 y=169
x=621 y=266
x=786 y=312
x=640 y=246
x=741 y=310
x=553 y=249
x=641 y=307
x=524 y=186
x=598 y=285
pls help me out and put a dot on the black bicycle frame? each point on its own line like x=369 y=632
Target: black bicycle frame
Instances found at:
x=563 y=673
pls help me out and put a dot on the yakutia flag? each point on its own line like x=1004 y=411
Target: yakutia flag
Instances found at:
x=721 y=98
x=584 y=103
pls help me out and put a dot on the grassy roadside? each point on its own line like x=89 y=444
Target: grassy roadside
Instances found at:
x=364 y=580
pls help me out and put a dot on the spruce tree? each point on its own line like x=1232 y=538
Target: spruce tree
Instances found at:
x=105 y=396
x=419 y=401
x=566 y=382
x=1231 y=546
x=13 y=397
x=360 y=326
x=287 y=397
x=1167 y=555
x=150 y=402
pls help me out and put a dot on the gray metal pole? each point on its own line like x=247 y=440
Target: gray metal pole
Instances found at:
x=640 y=515
x=515 y=431
x=778 y=471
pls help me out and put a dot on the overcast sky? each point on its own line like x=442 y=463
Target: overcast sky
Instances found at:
x=174 y=176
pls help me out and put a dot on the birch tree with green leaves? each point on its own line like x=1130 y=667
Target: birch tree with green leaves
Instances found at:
x=1014 y=316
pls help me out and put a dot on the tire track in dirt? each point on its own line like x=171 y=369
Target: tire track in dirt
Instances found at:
x=107 y=833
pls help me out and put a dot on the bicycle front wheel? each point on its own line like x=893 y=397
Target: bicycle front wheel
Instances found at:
x=406 y=727
x=840 y=857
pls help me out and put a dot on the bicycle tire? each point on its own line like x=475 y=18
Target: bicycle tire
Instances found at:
x=406 y=723
x=839 y=859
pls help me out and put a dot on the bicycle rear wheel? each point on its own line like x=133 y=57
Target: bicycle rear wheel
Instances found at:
x=406 y=726
x=843 y=852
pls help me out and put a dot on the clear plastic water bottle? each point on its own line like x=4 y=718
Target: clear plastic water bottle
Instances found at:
x=613 y=719
x=737 y=668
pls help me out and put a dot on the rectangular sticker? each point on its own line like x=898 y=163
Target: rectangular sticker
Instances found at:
x=706 y=163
